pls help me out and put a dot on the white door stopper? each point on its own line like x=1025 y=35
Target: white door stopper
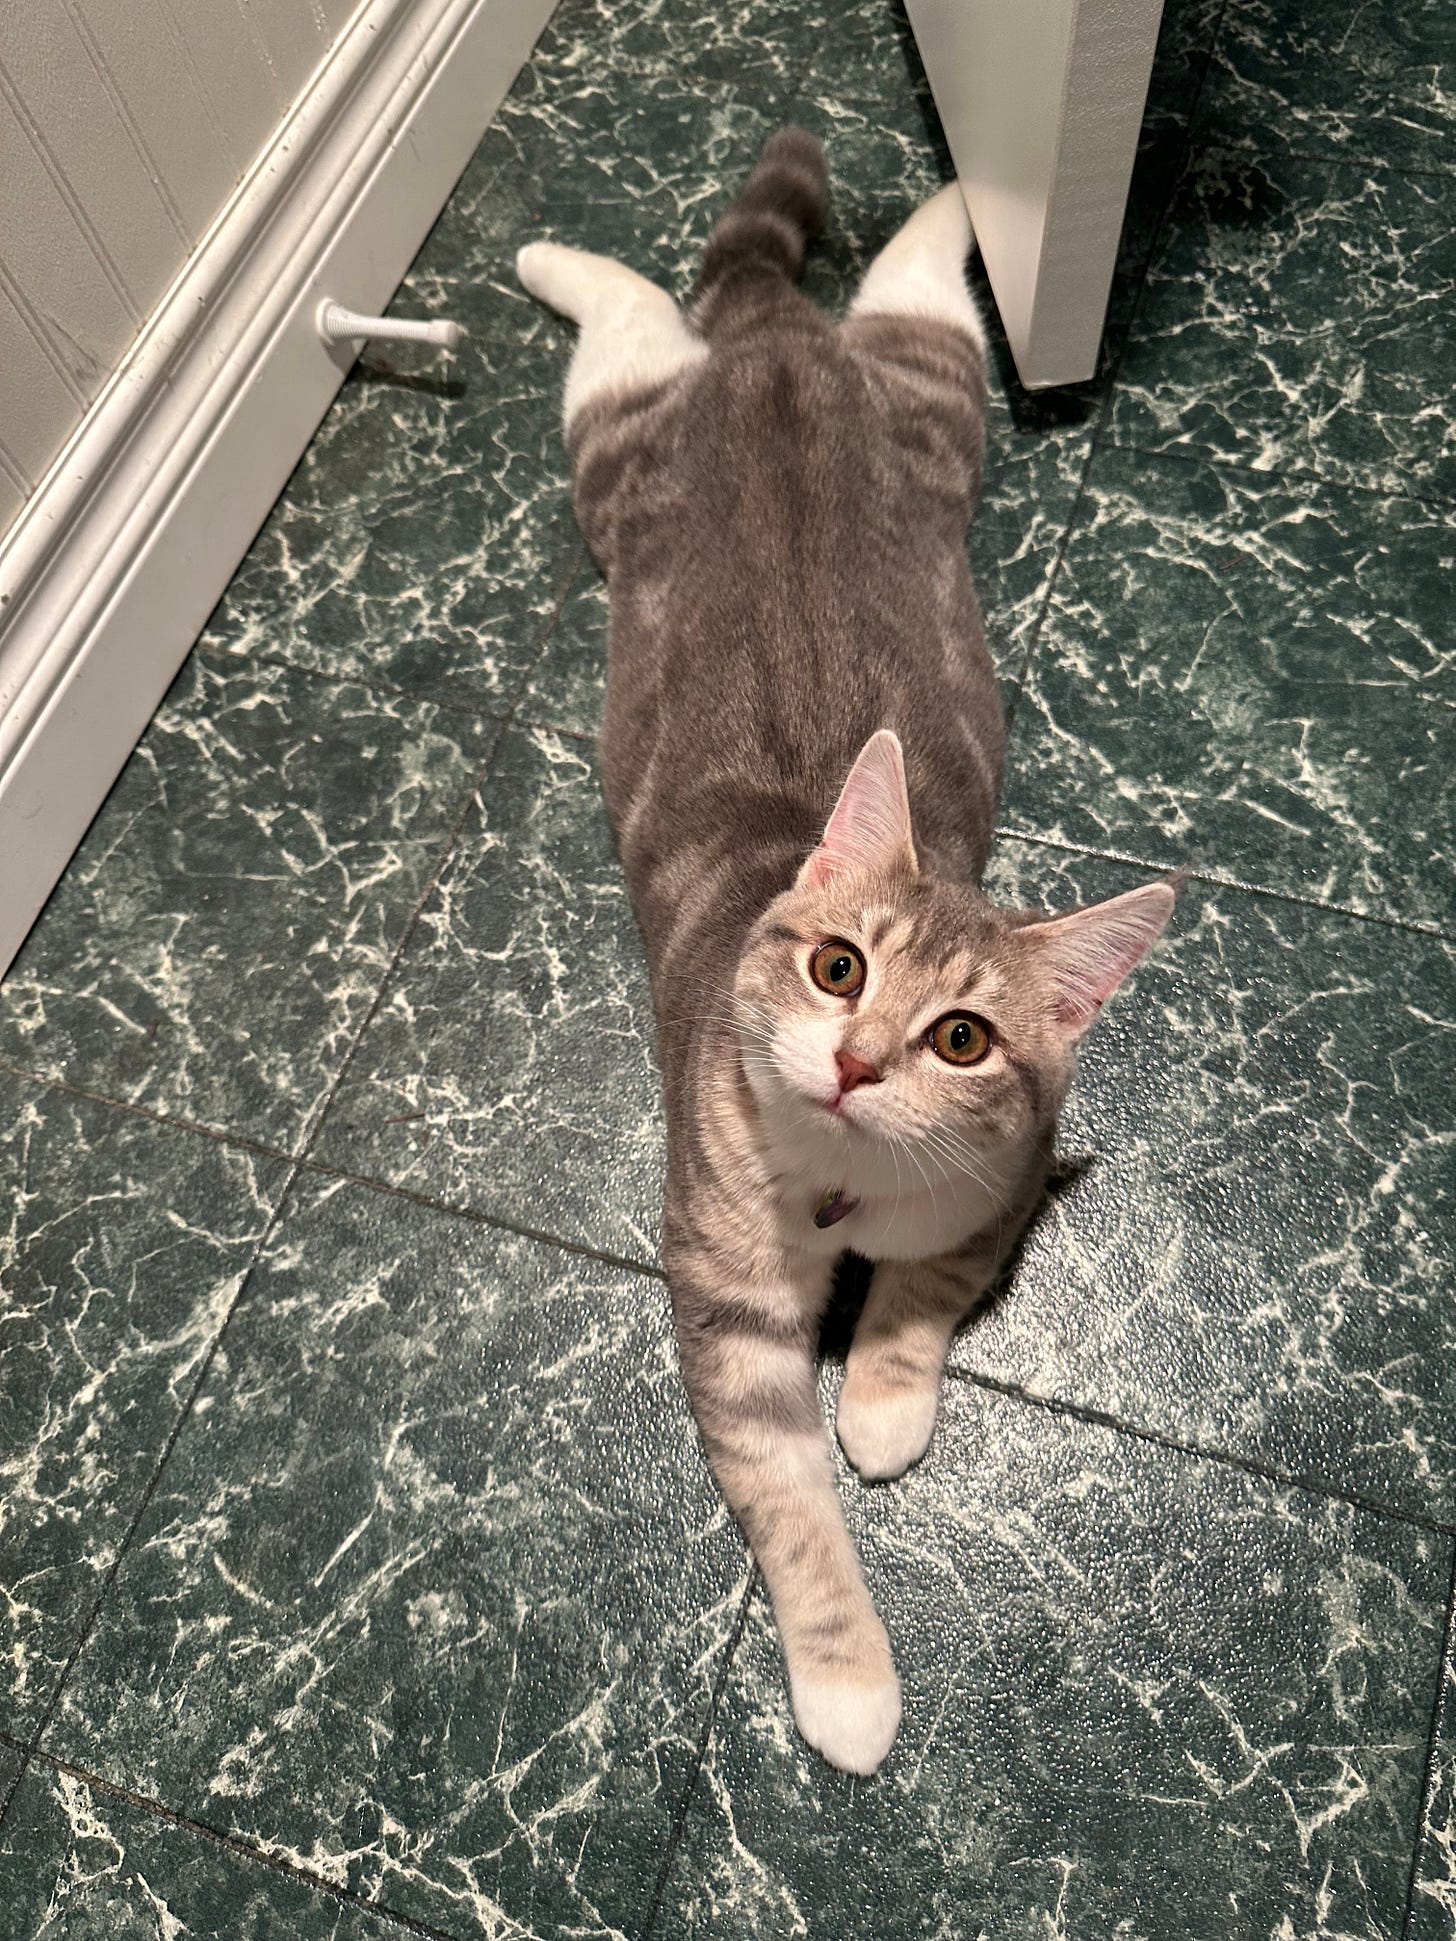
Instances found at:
x=336 y=325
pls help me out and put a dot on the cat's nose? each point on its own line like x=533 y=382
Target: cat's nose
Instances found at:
x=853 y=1071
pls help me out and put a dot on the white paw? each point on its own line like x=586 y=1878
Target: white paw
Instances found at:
x=533 y=266
x=852 y=1721
x=884 y=1431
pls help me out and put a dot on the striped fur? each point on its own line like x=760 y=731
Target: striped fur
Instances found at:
x=780 y=506
x=761 y=240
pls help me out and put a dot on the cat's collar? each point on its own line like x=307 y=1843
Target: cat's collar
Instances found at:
x=834 y=1207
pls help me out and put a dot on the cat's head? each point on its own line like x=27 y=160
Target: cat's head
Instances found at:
x=906 y=1008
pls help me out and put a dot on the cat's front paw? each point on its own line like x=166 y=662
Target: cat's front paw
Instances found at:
x=884 y=1430
x=851 y=1721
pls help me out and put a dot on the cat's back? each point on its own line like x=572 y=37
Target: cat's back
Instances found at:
x=800 y=582
x=797 y=472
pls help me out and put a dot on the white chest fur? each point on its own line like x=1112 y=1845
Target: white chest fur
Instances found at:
x=904 y=1204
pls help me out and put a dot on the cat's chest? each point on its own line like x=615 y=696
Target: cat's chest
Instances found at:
x=880 y=1205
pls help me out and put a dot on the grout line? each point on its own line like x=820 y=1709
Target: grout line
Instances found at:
x=325 y=1169
x=581 y=558
x=472 y=793
x=1433 y=1754
x=177 y=1124
x=497 y=1222
x=16 y=1745
x=154 y=1809
x=555 y=728
x=1191 y=872
x=1202 y=1452
x=1269 y=159
x=296 y=1165
x=124 y=1546
x=680 y=1812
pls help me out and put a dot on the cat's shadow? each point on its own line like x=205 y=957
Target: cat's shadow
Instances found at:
x=374 y=373
x=853 y=1274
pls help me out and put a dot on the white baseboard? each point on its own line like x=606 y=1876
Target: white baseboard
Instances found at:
x=117 y=560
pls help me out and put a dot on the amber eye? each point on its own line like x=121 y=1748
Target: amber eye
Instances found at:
x=838 y=968
x=960 y=1039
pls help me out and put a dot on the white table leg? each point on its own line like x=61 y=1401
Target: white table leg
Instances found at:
x=1042 y=102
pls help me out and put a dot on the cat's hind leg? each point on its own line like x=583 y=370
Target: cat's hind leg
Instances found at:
x=921 y=271
x=916 y=330
x=633 y=336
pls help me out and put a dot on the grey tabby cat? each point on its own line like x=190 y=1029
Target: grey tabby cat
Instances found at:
x=857 y=1048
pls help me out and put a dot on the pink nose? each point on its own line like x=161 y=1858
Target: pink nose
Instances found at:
x=854 y=1071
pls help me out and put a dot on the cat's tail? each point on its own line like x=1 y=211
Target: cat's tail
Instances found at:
x=759 y=244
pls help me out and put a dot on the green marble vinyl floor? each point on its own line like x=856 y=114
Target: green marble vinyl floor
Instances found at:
x=360 y=1575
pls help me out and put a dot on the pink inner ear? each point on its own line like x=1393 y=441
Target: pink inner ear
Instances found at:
x=870 y=826
x=1090 y=952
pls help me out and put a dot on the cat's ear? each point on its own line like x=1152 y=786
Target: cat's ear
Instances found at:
x=870 y=826
x=1086 y=955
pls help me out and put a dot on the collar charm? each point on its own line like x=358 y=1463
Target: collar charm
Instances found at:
x=834 y=1206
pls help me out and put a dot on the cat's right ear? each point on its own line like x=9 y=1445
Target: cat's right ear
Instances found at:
x=870 y=827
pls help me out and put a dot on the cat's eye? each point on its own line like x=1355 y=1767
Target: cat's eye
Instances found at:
x=838 y=968
x=960 y=1039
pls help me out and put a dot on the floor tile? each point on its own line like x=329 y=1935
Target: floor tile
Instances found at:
x=1252 y=676
x=632 y=165
x=11 y=1762
x=1255 y=1255
x=1353 y=80
x=1187 y=37
x=426 y=538
x=219 y=935
x=433 y=1593
x=865 y=51
x=1298 y=316
x=79 y=1862
x=125 y=1245
x=758 y=44
x=424 y=541
x=1145 y=1696
x=569 y=686
x=510 y=1065
x=1433 y=1893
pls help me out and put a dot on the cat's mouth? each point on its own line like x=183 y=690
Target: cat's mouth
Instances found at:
x=838 y=1106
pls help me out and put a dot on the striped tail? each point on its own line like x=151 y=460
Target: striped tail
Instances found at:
x=759 y=244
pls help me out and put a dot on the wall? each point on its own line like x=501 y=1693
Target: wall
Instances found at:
x=125 y=125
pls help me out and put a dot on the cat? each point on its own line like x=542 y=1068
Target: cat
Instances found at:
x=801 y=757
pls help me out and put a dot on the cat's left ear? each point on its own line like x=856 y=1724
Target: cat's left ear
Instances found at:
x=1086 y=955
x=870 y=826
